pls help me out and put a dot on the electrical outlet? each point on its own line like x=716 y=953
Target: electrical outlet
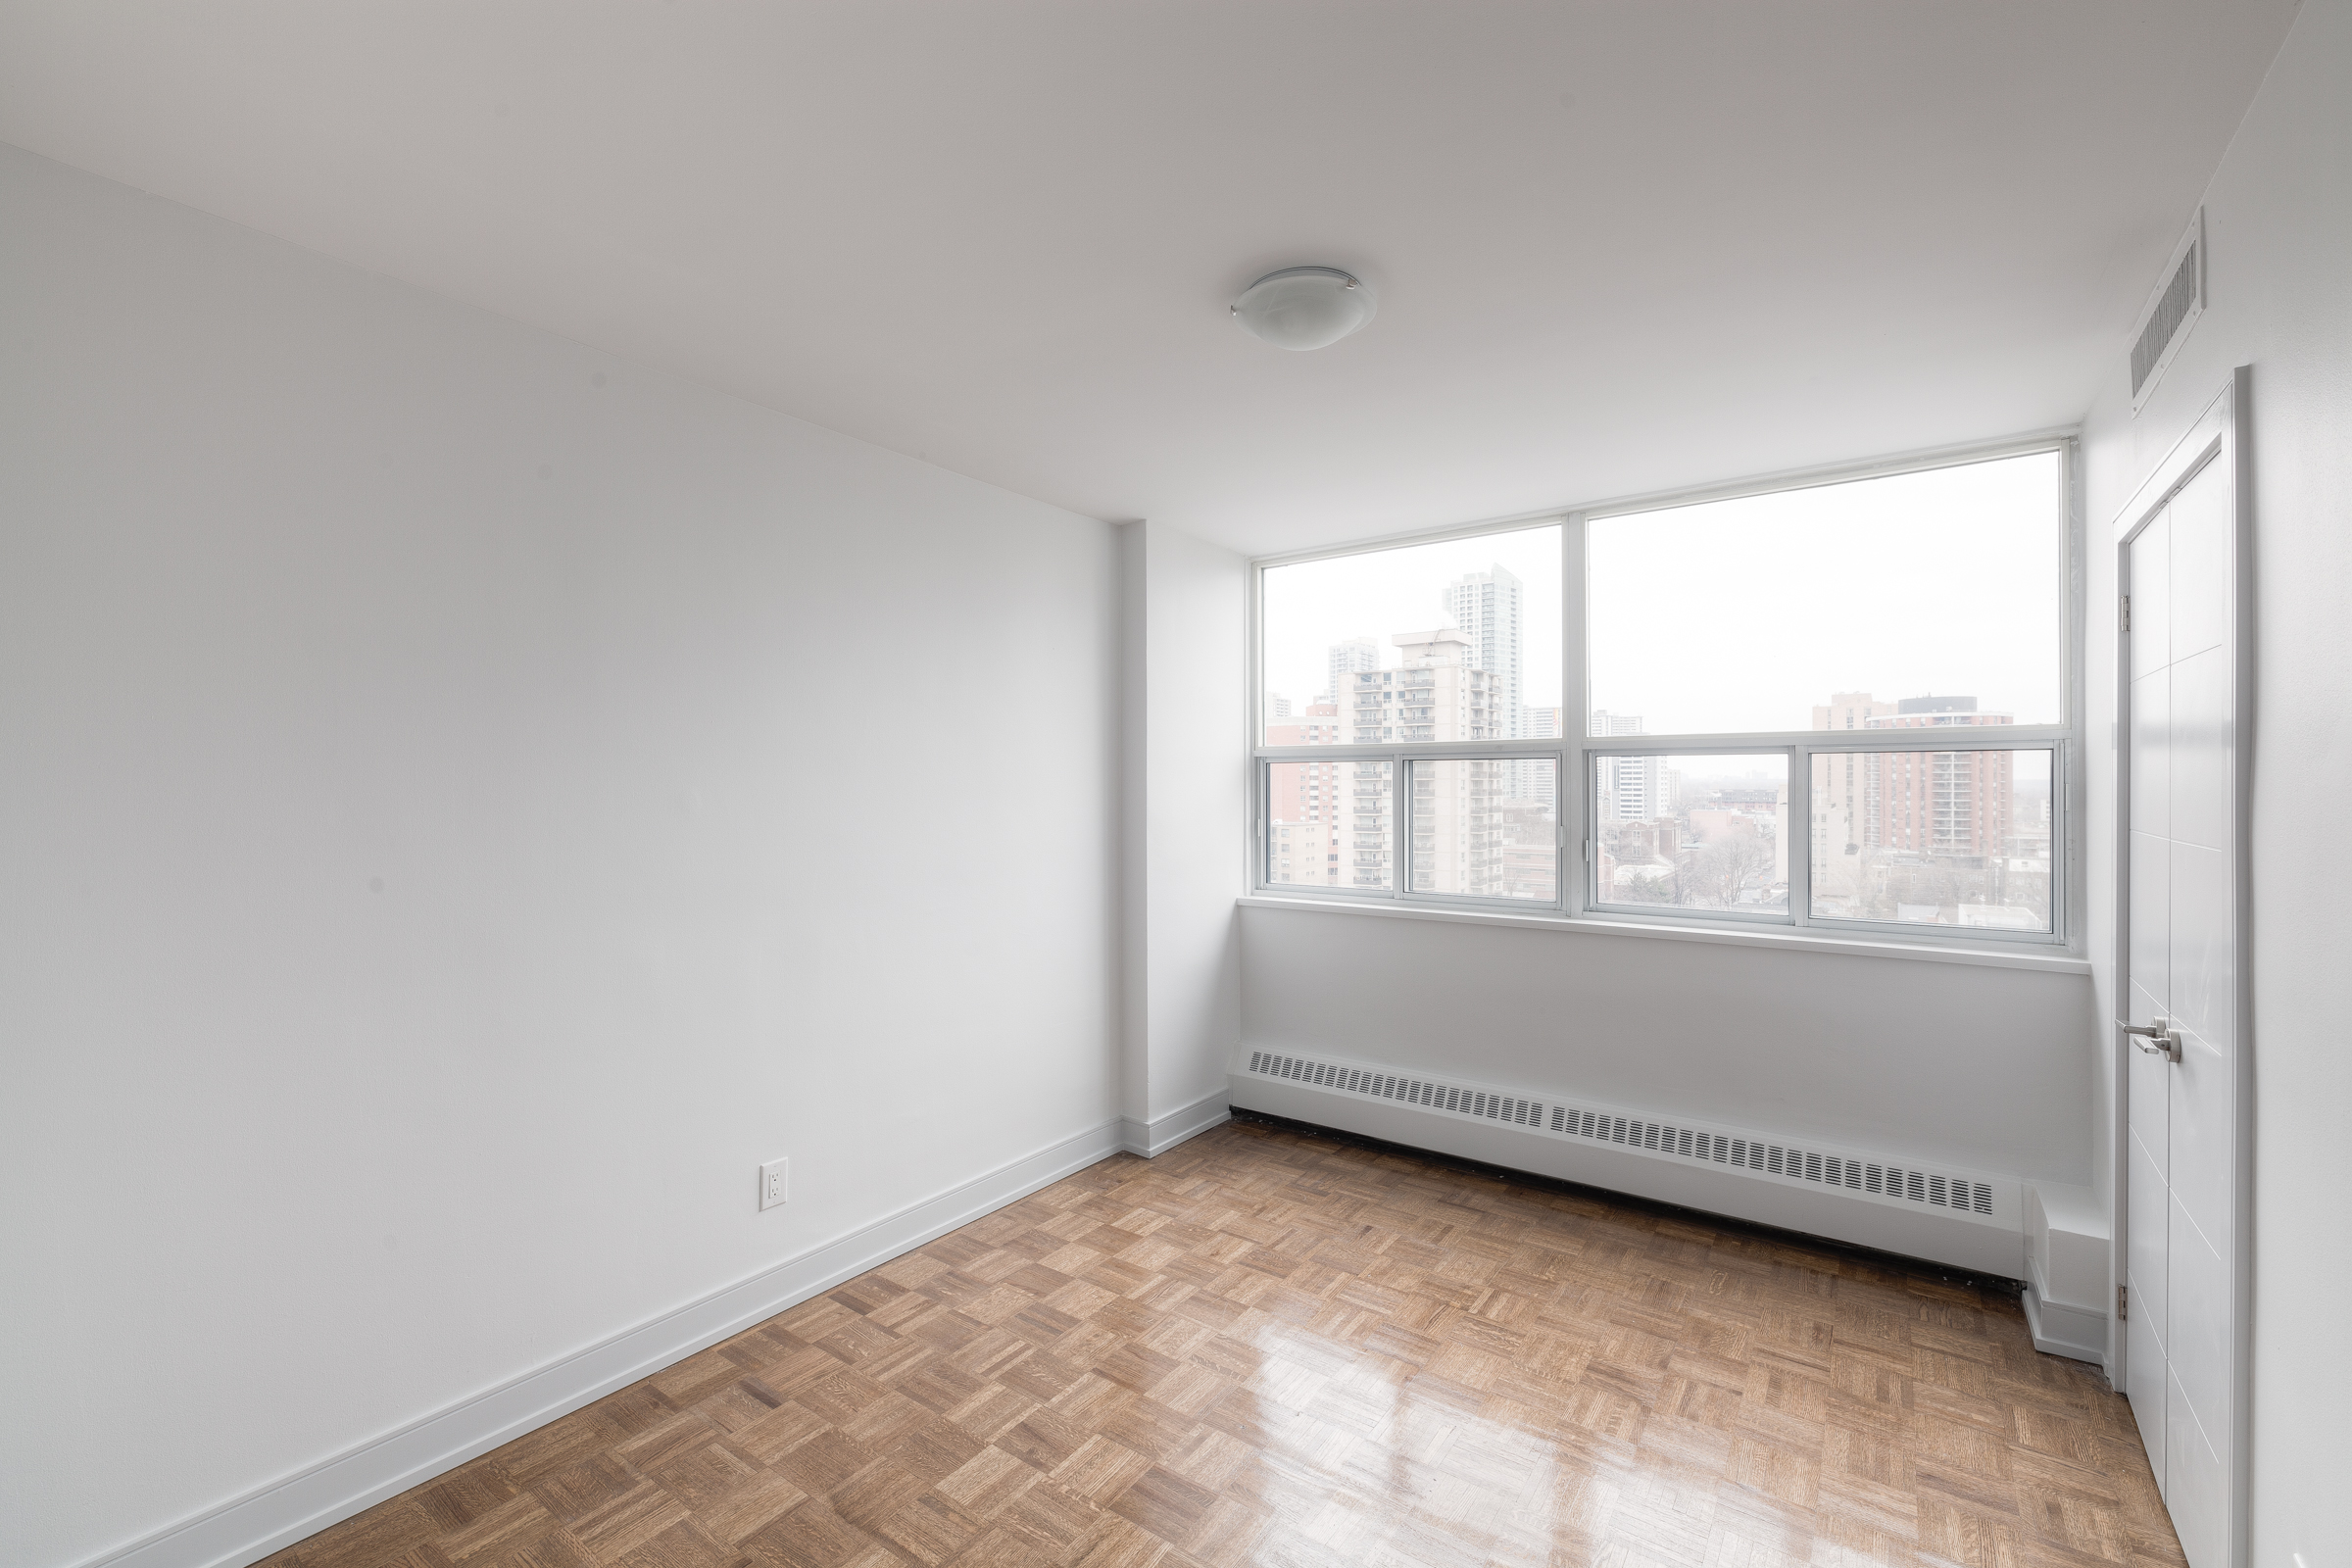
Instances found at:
x=775 y=1183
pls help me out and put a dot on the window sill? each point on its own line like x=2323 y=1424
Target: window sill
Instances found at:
x=2048 y=961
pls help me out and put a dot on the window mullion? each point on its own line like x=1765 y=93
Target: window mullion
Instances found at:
x=1935 y=738
x=1400 y=829
x=1796 y=841
x=1261 y=805
x=1576 y=718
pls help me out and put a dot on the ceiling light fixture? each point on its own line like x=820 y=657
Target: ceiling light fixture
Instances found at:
x=1304 y=307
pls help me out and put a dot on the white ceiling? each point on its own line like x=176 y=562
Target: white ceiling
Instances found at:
x=1618 y=246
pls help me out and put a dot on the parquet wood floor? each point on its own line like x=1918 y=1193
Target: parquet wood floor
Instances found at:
x=1264 y=1348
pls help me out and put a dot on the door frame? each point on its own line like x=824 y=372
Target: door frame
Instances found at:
x=2220 y=435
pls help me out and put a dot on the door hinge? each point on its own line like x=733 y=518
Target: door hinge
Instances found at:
x=2123 y=1303
x=2127 y=613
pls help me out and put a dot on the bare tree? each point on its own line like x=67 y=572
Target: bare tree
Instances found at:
x=1711 y=875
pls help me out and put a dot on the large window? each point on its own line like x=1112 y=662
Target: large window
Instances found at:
x=1428 y=674
x=1845 y=705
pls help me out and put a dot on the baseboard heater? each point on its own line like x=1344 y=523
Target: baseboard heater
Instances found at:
x=1921 y=1208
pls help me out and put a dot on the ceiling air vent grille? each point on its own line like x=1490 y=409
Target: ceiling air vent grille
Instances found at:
x=2165 y=320
x=1882 y=1180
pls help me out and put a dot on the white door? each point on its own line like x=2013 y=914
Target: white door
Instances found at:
x=2182 y=1183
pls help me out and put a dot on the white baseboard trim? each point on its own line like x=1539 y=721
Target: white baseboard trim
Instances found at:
x=1152 y=1139
x=1972 y=1245
x=2079 y=1333
x=274 y=1516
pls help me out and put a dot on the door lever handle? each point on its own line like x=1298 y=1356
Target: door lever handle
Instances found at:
x=2158 y=1039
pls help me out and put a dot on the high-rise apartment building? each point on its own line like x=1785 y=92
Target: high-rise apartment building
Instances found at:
x=1942 y=804
x=1318 y=725
x=1346 y=659
x=1438 y=695
x=1840 y=783
x=1458 y=826
x=1533 y=780
x=1304 y=809
x=1489 y=608
x=1924 y=835
x=1631 y=788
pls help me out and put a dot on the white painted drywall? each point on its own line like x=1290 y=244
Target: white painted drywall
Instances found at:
x=1186 y=785
x=2279 y=222
x=467 y=803
x=1981 y=1067
x=1135 y=841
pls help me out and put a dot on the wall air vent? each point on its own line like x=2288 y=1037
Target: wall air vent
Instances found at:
x=1874 y=1178
x=2165 y=320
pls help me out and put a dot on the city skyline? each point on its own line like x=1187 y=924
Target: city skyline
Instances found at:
x=1920 y=837
x=1314 y=610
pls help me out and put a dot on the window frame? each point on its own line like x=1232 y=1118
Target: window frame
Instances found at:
x=1576 y=857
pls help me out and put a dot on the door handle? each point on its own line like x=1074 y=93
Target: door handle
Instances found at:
x=2158 y=1039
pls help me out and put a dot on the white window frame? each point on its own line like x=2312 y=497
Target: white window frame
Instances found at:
x=1577 y=852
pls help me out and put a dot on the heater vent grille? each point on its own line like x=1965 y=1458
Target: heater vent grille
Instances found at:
x=1455 y=1098
x=1878 y=1178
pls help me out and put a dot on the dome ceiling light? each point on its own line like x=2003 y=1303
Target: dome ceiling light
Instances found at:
x=1304 y=307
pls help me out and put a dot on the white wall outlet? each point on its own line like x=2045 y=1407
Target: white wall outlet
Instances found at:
x=775 y=1183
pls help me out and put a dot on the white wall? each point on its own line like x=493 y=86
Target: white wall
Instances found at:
x=2279 y=222
x=467 y=802
x=1981 y=1067
x=1187 y=787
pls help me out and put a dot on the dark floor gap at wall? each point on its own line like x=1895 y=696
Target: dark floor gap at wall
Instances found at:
x=1899 y=1262
x=1267 y=1346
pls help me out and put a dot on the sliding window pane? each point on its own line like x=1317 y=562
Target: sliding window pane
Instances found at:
x=1369 y=824
x=1694 y=831
x=1487 y=828
x=1458 y=640
x=1933 y=838
x=1825 y=607
x=1306 y=824
x=1332 y=824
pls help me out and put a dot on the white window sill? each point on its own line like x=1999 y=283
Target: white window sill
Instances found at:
x=2048 y=961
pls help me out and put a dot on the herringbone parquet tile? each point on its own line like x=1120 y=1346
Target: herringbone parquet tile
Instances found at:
x=1264 y=1348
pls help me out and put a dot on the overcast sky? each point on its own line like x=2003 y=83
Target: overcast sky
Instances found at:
x=1742 y=615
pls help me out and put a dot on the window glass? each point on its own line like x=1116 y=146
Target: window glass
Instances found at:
x=1330 y=824
x=1487 y=827
x=1368 y=825
x=1757 y=614
x=1455 y=640
x=1933 y=838
x=1306 y=836
x=1698 y=831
